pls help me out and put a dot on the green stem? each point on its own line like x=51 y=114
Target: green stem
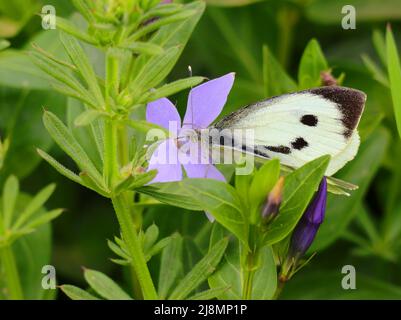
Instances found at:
x=121 y=207
x=110 y=169
x=280 y=287
x=11 y=273
x=249 y=273
x=121 y=202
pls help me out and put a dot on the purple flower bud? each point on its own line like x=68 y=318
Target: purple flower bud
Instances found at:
x=307 y=227
x=272 y=205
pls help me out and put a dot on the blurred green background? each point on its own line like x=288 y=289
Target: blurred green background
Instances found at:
x=363 y=230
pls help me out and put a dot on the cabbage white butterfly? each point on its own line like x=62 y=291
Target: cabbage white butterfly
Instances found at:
x=301 y=126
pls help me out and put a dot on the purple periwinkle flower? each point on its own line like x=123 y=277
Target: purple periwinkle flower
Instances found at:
x=307 y=227
x=205 y=103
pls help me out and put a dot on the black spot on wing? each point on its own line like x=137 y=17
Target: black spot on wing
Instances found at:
x=299 y=143
x=349 y=101
x=309 y=120
x=279 y=149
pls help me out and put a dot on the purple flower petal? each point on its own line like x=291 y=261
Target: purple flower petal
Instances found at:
x=316 y=209
x=206 y=101
x=306 y=229
x=161 y=112
x=165 y=160
x=208 y=171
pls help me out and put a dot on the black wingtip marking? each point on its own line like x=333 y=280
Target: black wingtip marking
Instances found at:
x=299 y=143
x=279 y=149
x=350 y=101
x=309 y=120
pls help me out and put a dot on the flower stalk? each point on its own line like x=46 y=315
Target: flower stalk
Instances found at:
x=121 y=202
x=122 y=208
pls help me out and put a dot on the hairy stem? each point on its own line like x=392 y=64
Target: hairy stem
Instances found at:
x=11 y=273
x=116 y=152
x=121 y=207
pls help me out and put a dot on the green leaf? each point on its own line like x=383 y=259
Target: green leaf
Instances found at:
x=216 y=197
x=139 y=47
x=87 y=117
x=172 y=193
x=59 y=167
x=209 y=294
x=134 y=182
x=170 y=266
x=171 y=88
x=299 y=187
x=360 y=171
x=104 y=286
x=81 y=61
x=75 y=293
x=150 y=237
x=10 y=194
x=276 y=81
x=62 y=75
x=182 y=14
x=394 y=72
x=375 y=70
x=68 y=27
x=34 y=205
x=229 y=272
x=43 y=219
x=173 y=35
x=90 y=137
x=85 y=9
x=263 y=182
x=222 y=201
x=379 y=43
x=312 y=64
x=201 y=271
x=264 y=283
x=153 y=72
x=144 y=126
x=160 y=11
x=32 y=252
x=158 y=247
x=68 y=143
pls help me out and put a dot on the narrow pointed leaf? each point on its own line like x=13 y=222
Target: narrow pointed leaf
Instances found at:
x=104 y=286
x=75 y=293
x=9 y=198
x=59 y=167
x=81 y=61
x=87 y=117
x=67 y=142
x=201 y=271
x=394 y=72
x=35 y=204
x=171 y=88
x=170 y=265
x=299 y=187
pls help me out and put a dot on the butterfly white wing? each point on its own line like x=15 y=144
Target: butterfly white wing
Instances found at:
x=301 y=126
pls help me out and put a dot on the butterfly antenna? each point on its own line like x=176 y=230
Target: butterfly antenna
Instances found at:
x=192 y=109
